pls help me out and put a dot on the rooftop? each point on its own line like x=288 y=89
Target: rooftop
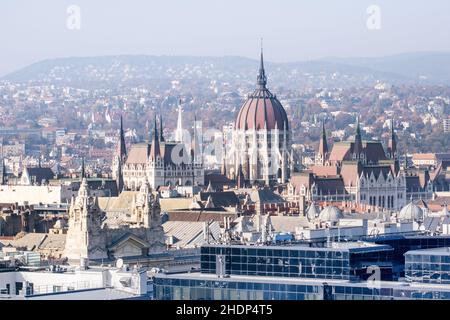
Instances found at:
x=443 y=251
x=301 y=281
x=335 y=246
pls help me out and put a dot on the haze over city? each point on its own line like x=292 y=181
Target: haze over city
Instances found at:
x=293 y=30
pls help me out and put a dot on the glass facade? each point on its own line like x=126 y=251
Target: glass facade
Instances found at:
x=308 y=273
x=182 y=289
x=428 y=266
x=303 y=262
x=229 y=289
x=402 y=244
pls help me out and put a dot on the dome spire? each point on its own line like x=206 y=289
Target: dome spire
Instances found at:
x=262 y=79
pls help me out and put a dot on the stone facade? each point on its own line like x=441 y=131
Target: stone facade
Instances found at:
x=261 y=139
x=160 y=162
x=90 y=236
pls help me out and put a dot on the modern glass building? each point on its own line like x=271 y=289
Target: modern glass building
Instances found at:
x=428 y=266
x=402 y=244
x=340 y=261
x=338 y=272
x=195 y=286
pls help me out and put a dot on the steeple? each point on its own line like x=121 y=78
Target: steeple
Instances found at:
x=358 y=140
x=179 y=131
x=240 y=178
x=161 y=136
x=83 y=172
x=195 y=148
x=121 y=147
x=262 y=79
x=323 y=145
x=392 y=145
x=155 y=148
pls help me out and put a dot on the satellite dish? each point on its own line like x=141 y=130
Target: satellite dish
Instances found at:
x=119 y=263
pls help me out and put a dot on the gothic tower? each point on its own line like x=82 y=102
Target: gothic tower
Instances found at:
x=358 y=147
x=155 y=163
x=84 y=237
x=392 y=145
x=322 y=154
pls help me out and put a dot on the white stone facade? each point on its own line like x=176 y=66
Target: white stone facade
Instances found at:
x=91 y=237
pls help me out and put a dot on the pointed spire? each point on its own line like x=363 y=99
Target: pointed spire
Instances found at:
x=155 y=148
x=240 y=178
x=84 y=189
x=161 y=135
x=179 y=131
x=121 y=147
x=262 y=79
x=323 y=145
x=358 y=128
x=358 y=140
x=83 y=172
x=392 y=145
x=195 y=148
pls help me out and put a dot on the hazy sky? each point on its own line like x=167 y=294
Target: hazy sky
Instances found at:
x=292 y=29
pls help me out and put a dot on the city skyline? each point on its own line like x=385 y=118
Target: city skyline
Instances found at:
x=156 y=150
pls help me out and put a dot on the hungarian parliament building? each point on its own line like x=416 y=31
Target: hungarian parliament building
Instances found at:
x=259 y=153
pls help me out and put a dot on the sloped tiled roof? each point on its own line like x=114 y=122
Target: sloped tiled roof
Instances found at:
x=188 y=233
x=266 y=196
x=221 y=199
x=54 y=241
x=30 y=241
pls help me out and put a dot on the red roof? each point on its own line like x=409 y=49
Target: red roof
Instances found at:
x=262 y=108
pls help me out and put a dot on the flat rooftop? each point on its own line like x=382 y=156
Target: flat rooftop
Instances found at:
x=354 y=246
x=95 y=294
x=443 y=251
x=303 y=281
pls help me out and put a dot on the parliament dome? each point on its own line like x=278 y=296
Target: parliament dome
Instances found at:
x=262 y=109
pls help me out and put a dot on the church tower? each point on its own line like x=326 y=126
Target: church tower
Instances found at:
x=197 y=156
x=358 y=146
x=322 y=154
x=392 y=145
x=155 y=163
x=179 y=131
